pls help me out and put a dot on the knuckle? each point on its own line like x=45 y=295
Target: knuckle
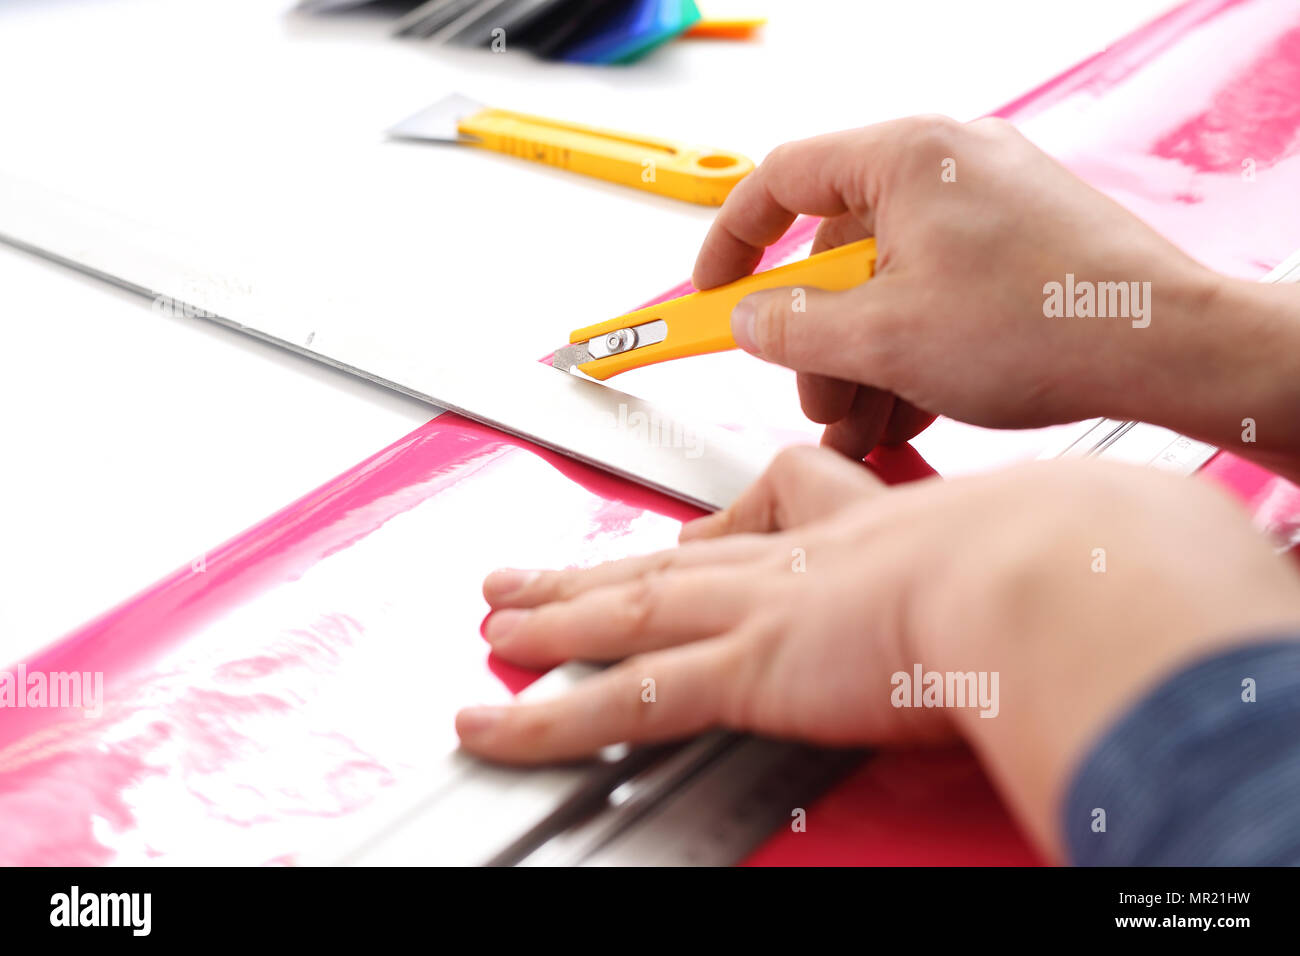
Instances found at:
x=888 y=326
x=796 y=460
x=933 y=133
x=770 y=326
x=632 y=569
x=890 y=364
x=559 y=585
x=530 y=727
x=780 y=155
x=548 y=631
x=789 y=459
x=740 y=700
x=662 y=561
x=994 y=126
x=637 y=609
x=887 y=338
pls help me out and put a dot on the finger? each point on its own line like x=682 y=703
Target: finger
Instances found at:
x=512 y=587
x=841 y=230
x=658 y=696
x=862 y=429
x=803 y=484
x=818 y=176
x=654 y=611
x=824 y=400
x=905 y=423
x=849 y=335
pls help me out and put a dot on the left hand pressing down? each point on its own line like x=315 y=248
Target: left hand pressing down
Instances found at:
x=789 y=613
x=733 y=630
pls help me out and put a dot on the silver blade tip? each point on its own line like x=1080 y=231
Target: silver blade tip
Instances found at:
x=571 y=356
x=437 y=121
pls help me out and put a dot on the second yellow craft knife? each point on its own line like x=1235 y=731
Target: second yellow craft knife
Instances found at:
x=699 y=323
x=661 y=166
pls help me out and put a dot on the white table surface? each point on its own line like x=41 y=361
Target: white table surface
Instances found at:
x=129 y=441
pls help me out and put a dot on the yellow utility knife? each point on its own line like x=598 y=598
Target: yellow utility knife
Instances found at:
x=700 y=322
x=660 y=166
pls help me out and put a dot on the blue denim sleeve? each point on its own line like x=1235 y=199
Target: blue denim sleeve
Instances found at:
x=1203 y=771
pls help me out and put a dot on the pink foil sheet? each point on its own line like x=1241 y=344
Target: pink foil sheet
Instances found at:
x=290 y=676
x=315 y=661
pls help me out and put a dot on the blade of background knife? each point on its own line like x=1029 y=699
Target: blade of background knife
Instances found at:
x=439 y=121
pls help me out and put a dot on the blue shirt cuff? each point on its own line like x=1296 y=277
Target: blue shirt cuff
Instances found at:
x=1203 y=771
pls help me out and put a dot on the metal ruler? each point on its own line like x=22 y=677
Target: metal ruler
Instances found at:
x=1136 y=443
x=577 y=417
x=708 y=801
x=715 y=813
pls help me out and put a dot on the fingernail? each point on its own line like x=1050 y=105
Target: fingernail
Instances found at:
x=501 y=623
x=504 y=582
x=476 y=720
x=742 y=325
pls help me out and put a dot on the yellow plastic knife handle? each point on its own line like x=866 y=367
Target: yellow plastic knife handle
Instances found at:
x=659 y=166
x=701 y=322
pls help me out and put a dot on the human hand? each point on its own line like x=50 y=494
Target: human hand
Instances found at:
x=790 y=613
x=972 y=221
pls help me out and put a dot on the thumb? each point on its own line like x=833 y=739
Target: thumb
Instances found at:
x=803 y=484
x=839 y=334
